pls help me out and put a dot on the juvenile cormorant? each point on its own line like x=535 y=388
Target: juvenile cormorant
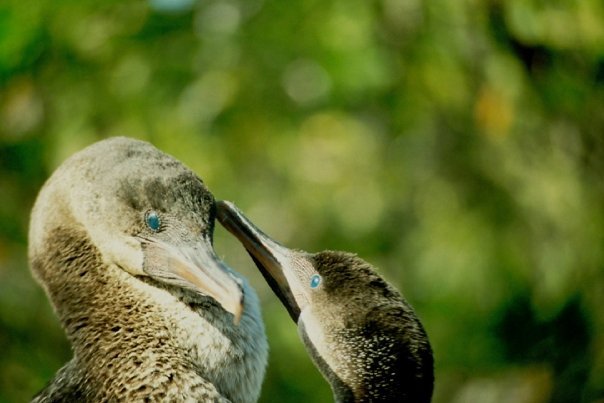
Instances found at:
x=360 y=332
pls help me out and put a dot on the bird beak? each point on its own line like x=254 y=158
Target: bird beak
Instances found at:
x=194 y=267
x=271 y=257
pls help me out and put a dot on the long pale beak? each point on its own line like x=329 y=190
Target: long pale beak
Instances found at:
x=270 y=256
x=195 y=267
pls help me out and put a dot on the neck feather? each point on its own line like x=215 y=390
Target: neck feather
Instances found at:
x=131 y=337
x=374 y=366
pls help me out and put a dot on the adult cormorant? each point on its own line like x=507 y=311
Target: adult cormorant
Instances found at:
x=121 y=240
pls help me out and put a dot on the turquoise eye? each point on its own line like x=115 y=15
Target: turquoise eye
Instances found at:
x=315 y=280
x=153 y=221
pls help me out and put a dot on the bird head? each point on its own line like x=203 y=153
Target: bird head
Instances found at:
x=144 y=212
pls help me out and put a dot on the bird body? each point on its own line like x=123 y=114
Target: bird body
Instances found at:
x=359 y=331
x=149 y=310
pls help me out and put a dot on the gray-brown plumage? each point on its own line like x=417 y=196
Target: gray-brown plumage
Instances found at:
x=360 y=332
x=121 y=240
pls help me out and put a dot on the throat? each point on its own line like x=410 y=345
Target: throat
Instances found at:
x=350 y=373
x=140 y=335
x=364 y=367
x=128 y=333
x=317 y=345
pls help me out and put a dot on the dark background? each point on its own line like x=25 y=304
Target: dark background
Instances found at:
x=456 y=144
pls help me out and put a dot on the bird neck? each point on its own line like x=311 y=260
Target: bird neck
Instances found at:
x=362 y=366
x=127 y=332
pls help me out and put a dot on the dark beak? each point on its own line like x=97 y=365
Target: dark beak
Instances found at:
x=194 y=267
x=270 y=256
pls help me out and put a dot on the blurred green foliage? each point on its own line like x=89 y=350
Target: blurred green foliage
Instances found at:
x=456 y=144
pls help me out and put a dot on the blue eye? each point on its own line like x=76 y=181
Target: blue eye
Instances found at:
x=315 y=280
x=153 y=221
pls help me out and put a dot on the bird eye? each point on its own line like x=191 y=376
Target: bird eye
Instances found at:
x=153 y=221
x=315 y=280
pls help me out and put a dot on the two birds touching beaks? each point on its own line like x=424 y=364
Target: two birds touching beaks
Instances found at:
x=121 y=241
